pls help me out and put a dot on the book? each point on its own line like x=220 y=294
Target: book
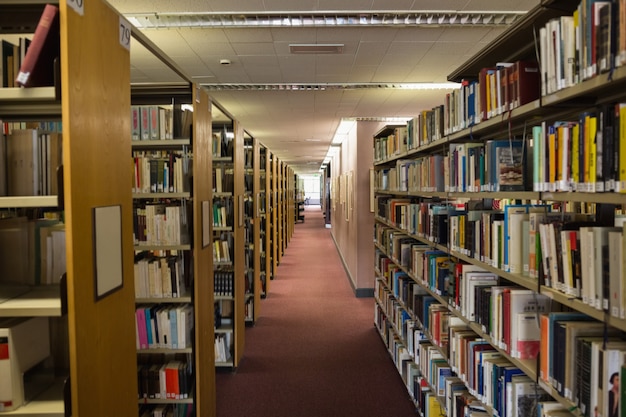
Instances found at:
x=37 y=69
x=616 y=272
x=24 y=343
x=7 y=63
x=23 y=149
x=516 y=301
x=523 y=397
x=526 y=82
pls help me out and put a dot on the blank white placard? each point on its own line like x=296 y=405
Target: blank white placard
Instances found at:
x=107 y=230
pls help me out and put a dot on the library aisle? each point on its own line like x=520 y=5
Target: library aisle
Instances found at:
x=314 y=351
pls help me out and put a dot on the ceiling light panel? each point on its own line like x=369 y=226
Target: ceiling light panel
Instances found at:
x=316 y=48
x=323 y=19
x=330 y=86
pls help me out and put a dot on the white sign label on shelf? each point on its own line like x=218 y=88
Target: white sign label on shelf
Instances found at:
x=125 y=33
x=77 y=5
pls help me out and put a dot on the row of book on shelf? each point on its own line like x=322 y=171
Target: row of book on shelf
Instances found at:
x=160 y=276
x=222 y=143
x=478 y=380
x=30 y=61
x=585 y=44
x=496 y=165
x=161 y=223
x=161 y=171
x=481 y=328
x=589 y=43
x=223 y=212
x=584 y=154
x=29 y=160
x=573 y=253
x=43 y=239
x=224 y=283
x=164 y=326
x=223 y=180
x=223 y=346
x=223 y=247
x=160 y=122
x=165 y=377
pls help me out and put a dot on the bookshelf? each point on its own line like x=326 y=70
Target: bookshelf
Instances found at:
x=280 y=211
x=168 y=248
x=416 y=289
x=273 y=213
x=228 y=237
x=82 y=350
x=252 y=221
x=292 y=204
x=264 y=226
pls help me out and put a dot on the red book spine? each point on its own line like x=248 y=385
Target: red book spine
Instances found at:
x=42 y=51
x=528 y=82
x=506 y=319
x=458 y=272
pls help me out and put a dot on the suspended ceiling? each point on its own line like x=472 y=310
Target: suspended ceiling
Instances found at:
x=293 y=103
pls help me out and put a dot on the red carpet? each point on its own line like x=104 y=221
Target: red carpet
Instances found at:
x=314 y=351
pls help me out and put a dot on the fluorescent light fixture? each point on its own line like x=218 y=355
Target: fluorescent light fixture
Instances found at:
x=316 y=48
x=423 y=86
x=336 y=18
x=330 y=86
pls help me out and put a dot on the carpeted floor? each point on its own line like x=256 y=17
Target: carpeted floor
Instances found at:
x=314 y=352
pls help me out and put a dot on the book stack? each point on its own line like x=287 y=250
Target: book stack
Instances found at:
x=152 y=122
x=164 y=326
x=167 y=380
x=159 y=277
x=161 y=171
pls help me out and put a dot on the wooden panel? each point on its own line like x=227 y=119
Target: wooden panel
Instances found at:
x=256 y=227
x=95 y=70
x=203 y=257
x=275 y=217
x=240 y=291
x=268 y=221
x=280 y=212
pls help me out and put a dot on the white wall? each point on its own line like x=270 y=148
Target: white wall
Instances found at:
x=352 y=230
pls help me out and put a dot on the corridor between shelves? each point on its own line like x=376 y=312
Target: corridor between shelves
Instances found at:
x=314 y=351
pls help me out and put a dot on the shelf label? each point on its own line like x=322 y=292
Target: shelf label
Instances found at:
x=77 y=5
x=125 y=32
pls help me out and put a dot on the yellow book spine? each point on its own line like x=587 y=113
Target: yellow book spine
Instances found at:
x=552 y=159
x=622 y=147
x=575 y=166
x=462 y=232
x=559 y=174
x=586 y=151
x=593 y=129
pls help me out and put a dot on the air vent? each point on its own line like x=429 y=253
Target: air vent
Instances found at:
x=316 y=48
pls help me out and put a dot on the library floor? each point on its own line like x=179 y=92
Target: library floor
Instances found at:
x=314 y=352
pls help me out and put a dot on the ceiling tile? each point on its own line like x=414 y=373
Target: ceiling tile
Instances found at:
x=371 y=53
x=363 y=73
x=248 y=35
x=419 y=34
x=290 y=5
x=291 y=35
x=391 y=73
